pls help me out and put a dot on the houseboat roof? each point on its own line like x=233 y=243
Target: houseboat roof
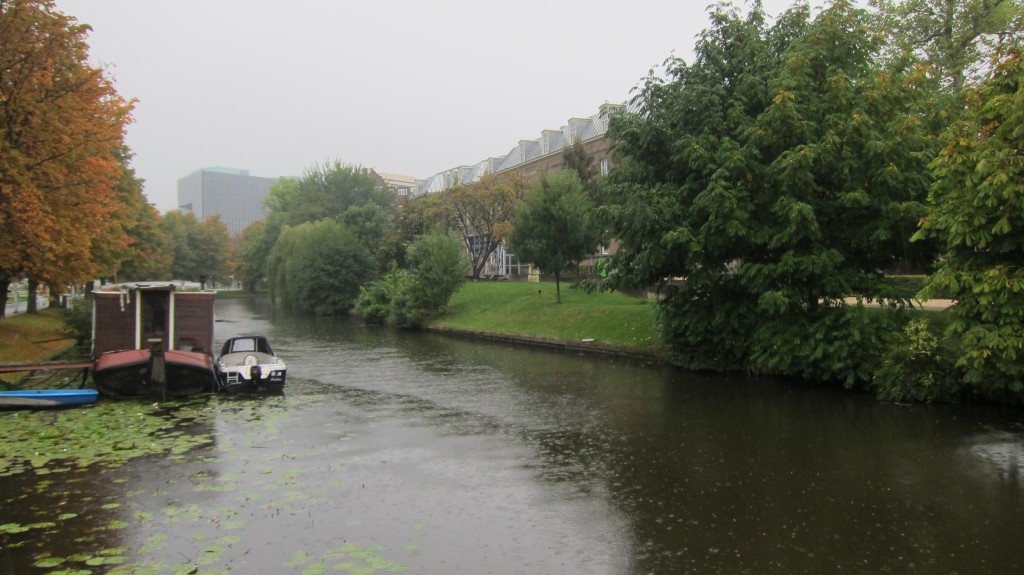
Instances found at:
x=169 y=285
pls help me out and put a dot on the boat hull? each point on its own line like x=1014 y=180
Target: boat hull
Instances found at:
x=37 y=398
x=133 y=373
x=238 y=381
x=247 y=363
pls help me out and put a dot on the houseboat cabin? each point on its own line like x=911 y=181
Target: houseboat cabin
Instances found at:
x=153 y=339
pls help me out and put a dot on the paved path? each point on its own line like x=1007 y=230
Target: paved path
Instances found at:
x=932 y=304
x=22 y=306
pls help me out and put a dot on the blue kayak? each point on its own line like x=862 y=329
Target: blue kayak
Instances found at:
x=47 y=397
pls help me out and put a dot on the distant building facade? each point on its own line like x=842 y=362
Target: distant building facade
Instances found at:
x=530 y=157
x=403 y=186
x=230 y=193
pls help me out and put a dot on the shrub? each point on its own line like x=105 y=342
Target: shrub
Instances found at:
x=920 y=366
x=376 y=299
x=835 y=344
x=439 y=266
x=408 y=298
x=78 y=320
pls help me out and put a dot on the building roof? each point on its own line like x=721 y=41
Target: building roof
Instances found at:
x=550 y=142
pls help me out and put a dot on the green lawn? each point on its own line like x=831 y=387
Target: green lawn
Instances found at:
x=32 y=338
x=613 y=320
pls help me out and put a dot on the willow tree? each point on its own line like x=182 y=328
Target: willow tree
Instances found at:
x=61 y=132
x=318 y=267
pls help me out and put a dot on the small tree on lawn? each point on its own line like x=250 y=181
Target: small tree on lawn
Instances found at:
x=553 y=229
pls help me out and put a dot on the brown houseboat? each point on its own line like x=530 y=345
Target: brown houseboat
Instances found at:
x=153 y=339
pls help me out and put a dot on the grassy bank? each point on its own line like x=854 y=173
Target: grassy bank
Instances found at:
x=30 y=338
x=614 y=321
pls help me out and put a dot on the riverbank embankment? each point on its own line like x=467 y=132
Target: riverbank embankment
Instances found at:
x=609 y=323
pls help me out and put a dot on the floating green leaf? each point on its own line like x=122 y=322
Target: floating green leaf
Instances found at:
x=12 y=528
x=50 y=562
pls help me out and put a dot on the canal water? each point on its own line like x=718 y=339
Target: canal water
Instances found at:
x=393 y=452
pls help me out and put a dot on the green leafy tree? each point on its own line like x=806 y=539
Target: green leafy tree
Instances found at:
x=324 y=266
x=439 y=265
x=956 y=37
x=179 y=227
x=774 y=175
x=251 y=268
x=279 y=263
x=351 y=195
x=202 y=250
x=577 y=159
x=553 y=228
x=977 y=211
x=213 y=248
x=150 y=250
x=148 y=253
x=407 y=298
x=415 y=217
x=378 y=301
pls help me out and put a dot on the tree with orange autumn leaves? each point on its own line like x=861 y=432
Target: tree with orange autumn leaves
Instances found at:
x=481 y=213
x=62 y=150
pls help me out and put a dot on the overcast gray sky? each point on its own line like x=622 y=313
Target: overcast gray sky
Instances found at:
x=403 y=86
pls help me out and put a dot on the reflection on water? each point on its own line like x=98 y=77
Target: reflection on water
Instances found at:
x=1000 y=453
x=400 y=452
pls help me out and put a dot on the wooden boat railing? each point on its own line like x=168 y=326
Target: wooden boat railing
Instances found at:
x=85 y=366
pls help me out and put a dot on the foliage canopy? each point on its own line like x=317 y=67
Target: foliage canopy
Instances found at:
x=481 y=213
x=977 y=211
x=318 y=267
x=780 y=172
x=553 y=228
x=61 y=135
x=409 y=297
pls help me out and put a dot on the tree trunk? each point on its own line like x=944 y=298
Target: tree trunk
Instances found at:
x=5 y=284
x=558 y=289
x=32 y=305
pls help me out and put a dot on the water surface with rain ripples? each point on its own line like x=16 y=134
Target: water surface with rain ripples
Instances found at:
x=396 y=452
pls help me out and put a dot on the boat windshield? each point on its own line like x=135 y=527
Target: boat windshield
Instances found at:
x=241 y=344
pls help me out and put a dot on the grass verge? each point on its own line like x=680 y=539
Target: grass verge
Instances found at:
x=527 y=311
x=32 y=337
